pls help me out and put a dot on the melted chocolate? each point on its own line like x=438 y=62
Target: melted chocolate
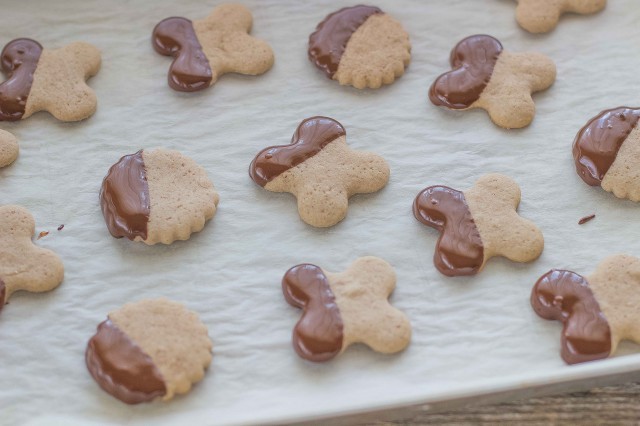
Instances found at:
x=121 y=368
x=124 y=198
x=597 y=144
x=310 y=137
x=3 y=294
x=327 y=43
x=472 y=60
x=459 y=250
x=565 y=296
x=190 y=70
x=19 y=62
x=318 y=335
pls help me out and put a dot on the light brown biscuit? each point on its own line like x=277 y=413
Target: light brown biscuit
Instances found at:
x=598 y=311
x=477 y=225
x=541 y=16
x=344 y=308
x=320 y=170
x=157 y=196
x=360 y=46
x=148 y=349
x=8 y=148
x=486 y=76
x=207 y=48
x=24 y=266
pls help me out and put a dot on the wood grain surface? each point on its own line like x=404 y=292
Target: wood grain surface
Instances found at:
x=611 y=405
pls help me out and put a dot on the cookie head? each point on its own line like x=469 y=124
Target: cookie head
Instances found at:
x=345 y=308
x=606 y=149
x=360 y=46
x=541 y=16
x=484 y=75
x=204 y=49
x=320 y=170
x=8 y=148
x=149 y=349
x=157 y=196
x=477 y=224
x=19 y=60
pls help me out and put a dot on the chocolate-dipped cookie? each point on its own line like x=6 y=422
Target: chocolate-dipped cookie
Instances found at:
x=360 y=46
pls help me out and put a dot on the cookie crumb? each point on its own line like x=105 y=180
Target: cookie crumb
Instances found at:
x=42 y=234
x=586 y=219
x=61 y=227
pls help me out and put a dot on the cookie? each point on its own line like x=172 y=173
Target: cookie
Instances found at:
x=52 y=80
x=157 y=196
x=598 y=311
x=487 y=76
x=541 y=16
x=8 y=148
x=344 y=308
x=205 y=49
x=149 y=349
x=360 y=46
x=320 y=170
x=23 y=265
x=606 y=152
x=477 y=224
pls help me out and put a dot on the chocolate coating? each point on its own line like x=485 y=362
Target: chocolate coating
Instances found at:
x=19 y=62
x=472 y=60
x=318 y=336
x=310 y=137
x=121 y=368
x=327 y=43
x=3 y=294
x=459 y=250
x=190 y=70
x=124 y=198
x=565 y=296
x=598 y=142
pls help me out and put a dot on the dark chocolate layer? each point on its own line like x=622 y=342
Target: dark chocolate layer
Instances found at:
x=598 y=142
x=318 y=336
x=565 y=296
x=124 y=198
x=473 y=61
x=121 y=368
x=310 y=137
x=190 y=70
x=459 y=250
x=327 y=43
x=19 y=62
x=3 y=294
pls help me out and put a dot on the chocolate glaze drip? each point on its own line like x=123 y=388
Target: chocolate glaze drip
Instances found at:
x=124 y=198
x=459 y=250
x=19 y=62
x=318 y=335
x=190 y=70
x=121 y=368
x=327 y=43
x=3 y=294
x=565 y=296
x=310 y=137
x=597 y=144
x=472 y=60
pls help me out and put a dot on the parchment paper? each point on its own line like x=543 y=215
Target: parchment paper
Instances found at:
x=469 y=334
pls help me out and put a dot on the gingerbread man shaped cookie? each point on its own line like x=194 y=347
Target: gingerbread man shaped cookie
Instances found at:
x=23 y=266
x=320 y=170
x=8 y=148
x=477 y=224
x=541 y=16
x=487 y=76
x=205 y=49
x=48 y=80
x=598 y=311
x=345 y=308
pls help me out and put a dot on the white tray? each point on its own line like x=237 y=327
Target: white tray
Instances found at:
x=473 y=338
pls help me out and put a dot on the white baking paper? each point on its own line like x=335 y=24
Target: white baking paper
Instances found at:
x=469 y=334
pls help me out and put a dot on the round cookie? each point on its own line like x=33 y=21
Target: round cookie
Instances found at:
x=148 y=349
x=8 y=148
x=360 y=46
x=157 y=196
